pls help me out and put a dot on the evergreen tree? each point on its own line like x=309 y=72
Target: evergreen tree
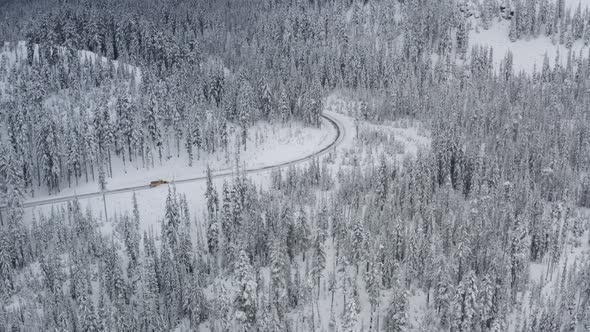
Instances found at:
x=519 y=244
x=513 y=32
x=126 y=130
x=171 y=223
x=284 y=108
x=318 y=260
x=358 y=244
x=211 y=195
x=245 y=301
x=462 y=37
x=213 y=237
x=465 y=303
x=373 y=285
x=87 y=315
x=350 y=314
x=151 y=121
x=382 y=182
x=279 y=276
x=246 y=109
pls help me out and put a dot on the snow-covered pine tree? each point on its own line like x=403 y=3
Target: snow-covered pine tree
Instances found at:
x=487 y=13
x=102 y=176
x=188 y=143
x=211 y=195
x=125 y=123
x=171 y=222
x=577 y=25
x=382 y=182
x=349 y=321
x=519 y=252
x=195 y=302
x=465 y=303
x=358 y=244
x=149 y=293
x=284 y=110
x=245 y=301
x=279 y=273
x=373 y=282
x=462 y=37
x=513 y=30
x=50 y=156
x=318 y=260
x=72 y=154
x=245 y=109
x=151 y=121
x=88 y=320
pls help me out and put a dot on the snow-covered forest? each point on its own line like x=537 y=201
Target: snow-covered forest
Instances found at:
x=307 y=165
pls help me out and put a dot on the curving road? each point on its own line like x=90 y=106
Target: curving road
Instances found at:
x=340 y=132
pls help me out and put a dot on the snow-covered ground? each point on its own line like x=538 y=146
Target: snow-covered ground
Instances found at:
x=152 y=202
x=528 y=53
x=368 y=140
x=363 y=145
x=572 y=4
x=15 y=53
x=268 y=144
x=275 y=146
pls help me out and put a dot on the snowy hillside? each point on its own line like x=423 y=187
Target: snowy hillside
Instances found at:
x=529 y=50
x=272 y=166
x=528 y=55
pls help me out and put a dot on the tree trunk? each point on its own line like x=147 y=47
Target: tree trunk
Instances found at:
x=86 y=169
x=142 y=156
x=312 y=317
x=104 y=200
x=332 y=302
x=371 y=318
x=38 y=175
x=319 y=280
x=377 y=325
x=110 y=164
x=129 y=149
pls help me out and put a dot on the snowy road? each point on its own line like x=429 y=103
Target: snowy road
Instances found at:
x=340 y=134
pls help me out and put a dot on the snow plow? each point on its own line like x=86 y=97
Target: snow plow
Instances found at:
x=156 y=183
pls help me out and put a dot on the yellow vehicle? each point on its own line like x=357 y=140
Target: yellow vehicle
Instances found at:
x=157 y=183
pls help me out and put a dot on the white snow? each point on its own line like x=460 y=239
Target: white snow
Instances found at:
x=573 y=4
x=528 y=54
x=396 y=139
x=282 y=145
x=15 y=53
x=267 y=145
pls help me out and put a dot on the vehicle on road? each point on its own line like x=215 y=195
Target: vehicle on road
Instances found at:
x=157 y=183
x=340 y=134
